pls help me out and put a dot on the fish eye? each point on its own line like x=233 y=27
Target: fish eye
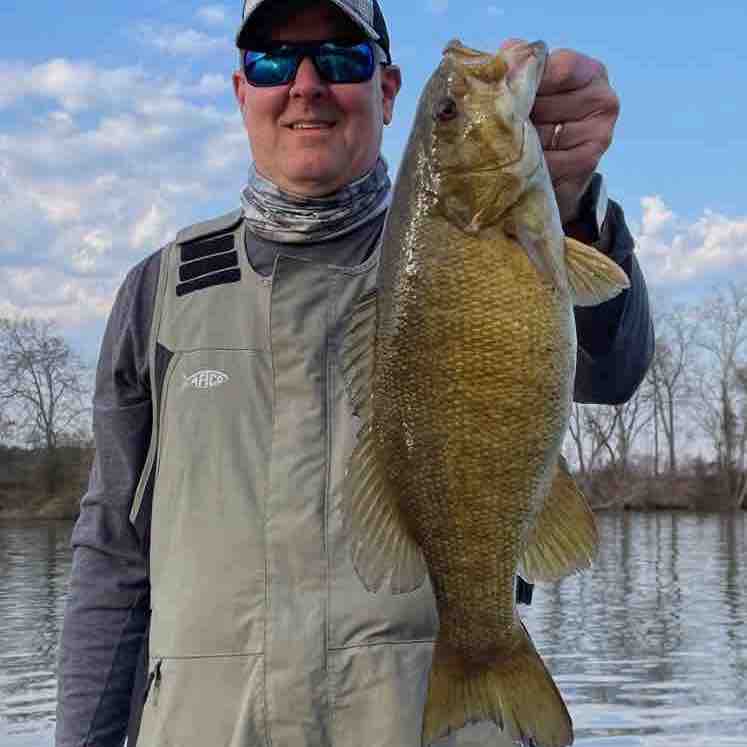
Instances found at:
x=446 y=109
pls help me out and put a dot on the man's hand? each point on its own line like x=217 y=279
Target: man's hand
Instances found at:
x=575 y=93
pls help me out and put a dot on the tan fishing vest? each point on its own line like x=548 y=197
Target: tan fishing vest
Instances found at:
x=261 y=632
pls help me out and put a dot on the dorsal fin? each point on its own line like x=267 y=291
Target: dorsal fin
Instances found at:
x=380 y=541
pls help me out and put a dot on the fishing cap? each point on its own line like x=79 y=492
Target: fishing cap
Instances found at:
x=366 y=14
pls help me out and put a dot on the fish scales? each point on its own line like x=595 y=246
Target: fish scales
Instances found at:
x=482 y=419
x=466 y=396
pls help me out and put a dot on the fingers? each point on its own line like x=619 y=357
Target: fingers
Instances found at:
x=575 y=163
x=597 y=127
x=595 y=98
x=567 y=194
x=567 y=70
x=512 y=42
x=574 y=92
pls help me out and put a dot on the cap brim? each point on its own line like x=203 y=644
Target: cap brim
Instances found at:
x=369 y=30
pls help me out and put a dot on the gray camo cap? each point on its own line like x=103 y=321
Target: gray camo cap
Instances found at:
x=364 y=13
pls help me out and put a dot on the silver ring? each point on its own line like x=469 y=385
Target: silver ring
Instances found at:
x=556 y=136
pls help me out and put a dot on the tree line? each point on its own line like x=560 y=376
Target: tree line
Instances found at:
x=682 y=438
x=45 y=412
x=680 y=441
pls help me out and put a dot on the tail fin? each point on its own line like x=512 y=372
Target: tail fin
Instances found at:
x=517 y=693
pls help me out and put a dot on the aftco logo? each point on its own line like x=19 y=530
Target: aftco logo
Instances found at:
x=206 y=379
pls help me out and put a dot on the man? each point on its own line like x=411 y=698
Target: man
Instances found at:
x=209 y=546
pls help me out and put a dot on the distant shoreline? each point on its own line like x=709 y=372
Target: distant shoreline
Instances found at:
x=57 y=508
x=30 y=491
x=66 y=509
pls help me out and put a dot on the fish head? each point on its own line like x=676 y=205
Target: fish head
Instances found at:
x=480 y=147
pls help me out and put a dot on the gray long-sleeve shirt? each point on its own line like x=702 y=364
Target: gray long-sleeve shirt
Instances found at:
x=102 y=648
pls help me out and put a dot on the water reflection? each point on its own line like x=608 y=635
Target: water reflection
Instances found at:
x=649 y=648
x=34 y=566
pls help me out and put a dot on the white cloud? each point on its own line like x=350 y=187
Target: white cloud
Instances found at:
x=212 y=85
x=213 y=15
x=177 y=41
x=673 y=250
x=122 y=159
x=75 y=86
x=93 y=244
x=49 y=294
x=151 y=229
x=656 y=215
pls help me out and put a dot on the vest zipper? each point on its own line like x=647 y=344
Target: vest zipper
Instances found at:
x=154 y=681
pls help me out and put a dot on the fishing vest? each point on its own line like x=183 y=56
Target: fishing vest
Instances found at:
x=261 y=633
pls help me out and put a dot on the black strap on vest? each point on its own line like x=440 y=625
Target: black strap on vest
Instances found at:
x=524 y=591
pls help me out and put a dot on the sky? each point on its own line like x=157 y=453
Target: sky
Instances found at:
x=118 y=127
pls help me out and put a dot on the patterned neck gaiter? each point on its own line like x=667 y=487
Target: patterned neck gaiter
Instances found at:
x=294 y=219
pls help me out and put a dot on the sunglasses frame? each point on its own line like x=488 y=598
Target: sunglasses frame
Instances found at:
x=302 y=50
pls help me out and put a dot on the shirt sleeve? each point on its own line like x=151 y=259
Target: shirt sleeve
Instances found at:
x=616 y=338
x=106 y=614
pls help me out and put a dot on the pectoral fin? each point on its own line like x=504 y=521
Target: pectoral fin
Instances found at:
x=592 y=276
x=564 y=537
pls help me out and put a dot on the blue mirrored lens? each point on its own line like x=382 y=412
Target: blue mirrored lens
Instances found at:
x=345 y=64
x=335 y=63
x=265 y=69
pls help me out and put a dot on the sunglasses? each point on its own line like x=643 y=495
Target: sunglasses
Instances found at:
x=335 y=62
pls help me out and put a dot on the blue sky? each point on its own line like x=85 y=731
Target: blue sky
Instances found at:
x=117 y=127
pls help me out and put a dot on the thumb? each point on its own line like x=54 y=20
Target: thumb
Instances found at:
x=512 y=42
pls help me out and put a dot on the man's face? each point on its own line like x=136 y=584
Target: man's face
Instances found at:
x=344 y=122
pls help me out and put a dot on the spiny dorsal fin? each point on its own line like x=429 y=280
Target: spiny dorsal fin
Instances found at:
x=593 y=277
x=380 y=541
x=564 y=537
x=357 y=356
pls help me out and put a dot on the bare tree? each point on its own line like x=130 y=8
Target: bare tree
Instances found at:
x=6 y=428
x=723 y=405
x=42 y=383
x=632 y=418
x=741 y=496
x=590 y=429
x=667 y=378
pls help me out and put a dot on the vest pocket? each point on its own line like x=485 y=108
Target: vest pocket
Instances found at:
x=212 y=700
x=207 y=551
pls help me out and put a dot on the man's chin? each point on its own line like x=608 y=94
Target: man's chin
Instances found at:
x=318 y=181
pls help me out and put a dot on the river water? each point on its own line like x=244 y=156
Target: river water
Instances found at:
x=649 y=648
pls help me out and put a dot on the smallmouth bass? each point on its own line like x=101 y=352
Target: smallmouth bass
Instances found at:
x=461 y=366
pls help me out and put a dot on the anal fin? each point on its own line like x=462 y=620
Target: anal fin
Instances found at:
x=564 y=537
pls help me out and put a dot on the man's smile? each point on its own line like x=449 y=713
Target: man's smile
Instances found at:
x=311 y=125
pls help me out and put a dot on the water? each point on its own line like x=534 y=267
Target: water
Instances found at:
x=34 y=565
x=649 y=649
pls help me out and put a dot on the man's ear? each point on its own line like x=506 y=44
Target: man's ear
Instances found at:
x=391 y=82
x=238 y=88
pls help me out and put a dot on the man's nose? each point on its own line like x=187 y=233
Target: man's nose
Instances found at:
x=308 y=83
